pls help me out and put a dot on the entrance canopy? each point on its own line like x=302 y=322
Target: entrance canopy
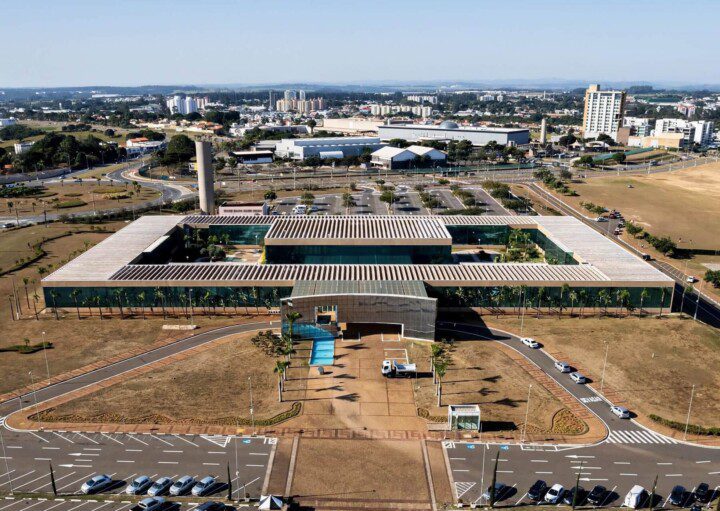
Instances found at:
x=465 y=417
x=346 y=287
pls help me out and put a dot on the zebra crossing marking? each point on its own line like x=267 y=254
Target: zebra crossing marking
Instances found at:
x=219 y=440
x=638 y=437
x=462 y=488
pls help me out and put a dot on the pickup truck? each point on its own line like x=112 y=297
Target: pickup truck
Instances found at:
x=392 y=369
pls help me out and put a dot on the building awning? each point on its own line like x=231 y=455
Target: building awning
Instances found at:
x=413 y=288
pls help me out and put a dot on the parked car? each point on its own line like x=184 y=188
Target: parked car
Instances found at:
x=597 y=495
x=500 y=489
x=601 y=219
x=149 y=504
x=562 y=367
x=647 y=257
x=703 y=493
x=617 y=231
x=182 y=485
x=578 y=378
x=537 y=490
x=636 y=497
x=211 y=506
x=570 y=495
x=138 y=486
x=677 y=495
x=554 y=494
x=203 y=486
x=620 y=411
x=96 y=484
x=530 y=342
x=392 y=369
x=690 y=279
x=160 y=487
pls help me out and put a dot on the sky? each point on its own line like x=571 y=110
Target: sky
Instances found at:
x=170 y=42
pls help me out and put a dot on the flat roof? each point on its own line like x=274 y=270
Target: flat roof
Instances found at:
x=358 y=230
x=438 y=127
x=349 y=287
x=602 y=261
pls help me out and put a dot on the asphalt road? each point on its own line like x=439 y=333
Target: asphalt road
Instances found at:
x=631 y=454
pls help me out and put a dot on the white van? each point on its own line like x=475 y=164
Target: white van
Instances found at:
x=300 y=209
x=635 y=497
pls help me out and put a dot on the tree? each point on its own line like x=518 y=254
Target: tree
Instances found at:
x=279 y=369
x=619 y=157
x=179 y=150
x=270 y=195
x=307 y=198
x=347 y=200
x=398 y=142
x=388 y=196
x=440 y=369
x=311 y=124
x=633 y=229
x=74 y=294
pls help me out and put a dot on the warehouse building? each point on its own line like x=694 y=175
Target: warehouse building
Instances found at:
x=415 y=156
x=449 y=130
x=325 y=148
x=341 y=270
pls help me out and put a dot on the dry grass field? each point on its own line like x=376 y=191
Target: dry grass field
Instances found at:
x=75 y=342
x=480 y=373
x=88 y=196
x=652 y=362
x=211 y=387
x=683 y=204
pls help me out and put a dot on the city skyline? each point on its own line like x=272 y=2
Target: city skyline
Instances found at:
x=225 y=42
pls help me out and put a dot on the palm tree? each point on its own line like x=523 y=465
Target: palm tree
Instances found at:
x=644 y=294
x=565 y=289
x=53 y=296
x=436 y=351
x=279 y=369
x=119 y=296
x=573 y=298
x=662 y=302
x=440 y=369
x=159 y=293
x=74 y=295
x=583 y=298
x=292 y=317
x=141 y=301
x=540 y=293
x=623 y=296
x=36 y=299
x=603 y=298
x=26 y=281
x=255 y=296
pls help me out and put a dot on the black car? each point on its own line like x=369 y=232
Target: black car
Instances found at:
x=211 y=506
x=537 y=490
x=677 y=495
x=597 y=495
x=570 y=495
x=703 y=493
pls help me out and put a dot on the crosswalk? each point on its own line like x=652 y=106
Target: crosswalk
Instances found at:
x=638 y=437
x=462 y=488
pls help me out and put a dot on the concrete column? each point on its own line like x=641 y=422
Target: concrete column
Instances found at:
x=206 y=178
x=543 y=131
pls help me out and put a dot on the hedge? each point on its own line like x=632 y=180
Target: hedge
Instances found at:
x=70 y=204
x=691 y=428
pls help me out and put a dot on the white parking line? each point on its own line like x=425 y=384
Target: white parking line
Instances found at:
x=137 y=439
x=163 y=441
x=544 y=473
x=29 y=482
x=186 y=440
x=87 y=438
x=133 y=450
x=66 y=439
x=111 y=438
x=83 y=478
x=180 y=452
x=41 y=438
x=673 y=475
x=18 y=477
x=627 y=474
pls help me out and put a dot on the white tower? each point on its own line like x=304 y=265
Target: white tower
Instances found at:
x=206 y=178
x=543 y=131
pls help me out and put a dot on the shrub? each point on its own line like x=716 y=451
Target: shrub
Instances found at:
x=74 y=203
x=691 y=428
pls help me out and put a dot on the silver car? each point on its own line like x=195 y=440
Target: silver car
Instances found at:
x=160 y=487
x=204 y=486
x=182 y=485
x=138 y=486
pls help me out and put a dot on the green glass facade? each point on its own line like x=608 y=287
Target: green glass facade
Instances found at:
x=479 y=234
x=241 y=234
x=332 y=254
x=554 y=297
x=167 y=296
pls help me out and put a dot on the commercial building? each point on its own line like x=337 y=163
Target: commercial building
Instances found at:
x=21 y=147
x=352 y=125
x=449 y=130
x=329 y=147
x=639 y=126
x=244 y=209
x=420 y=111
x=664 y=141
x=342 y=270
x=141 y=145
x=7 y=121
x=413 y=156
x=603 y=112
x=694 y=132
x=253 y=157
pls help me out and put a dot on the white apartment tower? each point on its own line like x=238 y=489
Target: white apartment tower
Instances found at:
x=603 y=112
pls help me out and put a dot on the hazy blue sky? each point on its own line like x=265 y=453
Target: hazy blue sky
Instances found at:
x=136 y=42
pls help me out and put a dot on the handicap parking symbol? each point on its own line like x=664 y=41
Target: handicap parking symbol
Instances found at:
x=470 y=446
x=246 y=441
x=505 y=447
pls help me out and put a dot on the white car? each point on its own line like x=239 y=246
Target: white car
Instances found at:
x=96 y=484
x=635 y=497
x=203 y=486
x=138 y=486
x=149 y=504
x=530 y=342
x=601 y=219
x=620 y=411
x=554 y=494
x=690 y=279
x=577 y=378
x=562 y=367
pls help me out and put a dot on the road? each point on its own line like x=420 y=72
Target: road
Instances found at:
x=691 y=301
x=631 y=454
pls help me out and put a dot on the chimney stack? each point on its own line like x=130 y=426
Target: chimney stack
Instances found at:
x=206 y=178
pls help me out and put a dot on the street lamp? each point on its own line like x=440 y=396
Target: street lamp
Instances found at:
x=34 y=391
x=687 y=419
x=252 y=410
x=7 y=465
x=527 y=414
x=47 y=366
x=602 y=379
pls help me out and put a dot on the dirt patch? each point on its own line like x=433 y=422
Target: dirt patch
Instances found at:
x=482 y=374
x=210 y=387
x=652 y=363
x=360 y=469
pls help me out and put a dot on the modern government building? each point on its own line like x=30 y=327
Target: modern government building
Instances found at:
x=345 y=270
x=449 y=130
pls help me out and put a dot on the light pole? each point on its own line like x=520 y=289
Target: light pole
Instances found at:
x=252 y=410
x=697 y=302
x=602 y=379
x=527 y=414
x=34 y=391
x=687 y=419
x=47 y=365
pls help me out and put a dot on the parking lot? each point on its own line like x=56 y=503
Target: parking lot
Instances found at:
x=87 y=505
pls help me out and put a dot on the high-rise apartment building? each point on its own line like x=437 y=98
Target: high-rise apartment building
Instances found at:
x=603 y=112
x=186 y=105
x=300 y=105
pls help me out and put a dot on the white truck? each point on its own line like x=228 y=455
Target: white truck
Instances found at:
x=392 y=369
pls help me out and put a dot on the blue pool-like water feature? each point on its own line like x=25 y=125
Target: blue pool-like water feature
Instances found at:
x=323 y=348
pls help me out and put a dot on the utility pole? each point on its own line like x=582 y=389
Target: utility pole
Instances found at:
x=47 y=365
x=527 y=414
x=602 y=379
x=687 y=419
x=252 y=410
